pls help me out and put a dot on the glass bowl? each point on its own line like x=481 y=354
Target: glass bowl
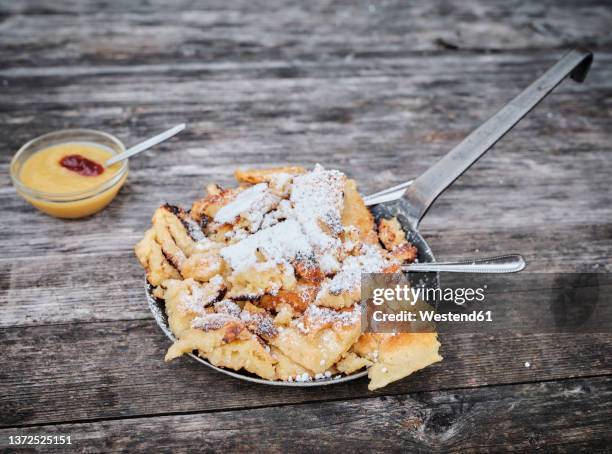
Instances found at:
x=73 y=204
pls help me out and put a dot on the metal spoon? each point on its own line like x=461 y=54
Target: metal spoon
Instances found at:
x=142 y=146
x=425 y=189
x=510 y=263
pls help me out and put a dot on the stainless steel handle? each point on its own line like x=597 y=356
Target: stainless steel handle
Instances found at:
x=511 y=263
x=426 y=188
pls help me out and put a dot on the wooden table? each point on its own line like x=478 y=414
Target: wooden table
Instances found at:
x=379 y=90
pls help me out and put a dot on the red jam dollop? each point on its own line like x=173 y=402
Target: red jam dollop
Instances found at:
x=81 y=165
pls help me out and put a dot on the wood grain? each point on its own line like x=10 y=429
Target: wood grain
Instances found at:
x=379 y=90
x=380 y=130
x=559 y=416
x=99 y=370
x=67 y=287
x=288 y=30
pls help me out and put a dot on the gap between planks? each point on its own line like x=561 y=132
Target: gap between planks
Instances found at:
x=295 y=404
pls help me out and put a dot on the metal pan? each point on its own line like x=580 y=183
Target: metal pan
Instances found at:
x=424 y=190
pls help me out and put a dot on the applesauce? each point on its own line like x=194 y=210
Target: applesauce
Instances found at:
x=62 y=173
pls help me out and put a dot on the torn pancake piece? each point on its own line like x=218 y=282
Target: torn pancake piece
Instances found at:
x=152 y=259
x=250 y=205
x=287 y=369
x=351 y=362
x=357 y=215
x=317 y=350
x=249 y=354
x=188 y=299
x=396 y=356
x=279 y=179
x=182 y=244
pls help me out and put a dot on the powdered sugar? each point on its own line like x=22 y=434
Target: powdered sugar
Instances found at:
x=202 y=295
x=307 y=224
x=369 y=261
x=280 y=183
x=282 y=211
x=279 y=243
x=250 y=204
x=212 y=321
x=328 y=263
x=260 y=323
x=205 y=244
x=217 y=279
x=316 y=318
x=193 y=229
x=228 y=307
x=236 y=234
x=305 y=377
x=317 y=198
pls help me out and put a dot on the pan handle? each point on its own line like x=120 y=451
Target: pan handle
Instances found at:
x=426 y=188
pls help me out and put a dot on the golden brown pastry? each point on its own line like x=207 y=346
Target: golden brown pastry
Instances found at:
x=266 y=277
x=395 y=356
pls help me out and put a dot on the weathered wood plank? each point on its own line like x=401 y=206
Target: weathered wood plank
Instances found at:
x=131 y=32
x=528 y=193
x=566 y=416
x=70 y=288
x=102 y=370
x=473 y=213
x=107 y=283
x=379 y=129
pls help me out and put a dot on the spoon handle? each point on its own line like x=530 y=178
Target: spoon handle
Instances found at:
x=142 y=146
x=511 y=263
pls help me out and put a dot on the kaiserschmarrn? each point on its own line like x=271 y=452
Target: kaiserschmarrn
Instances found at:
x=265 y=277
